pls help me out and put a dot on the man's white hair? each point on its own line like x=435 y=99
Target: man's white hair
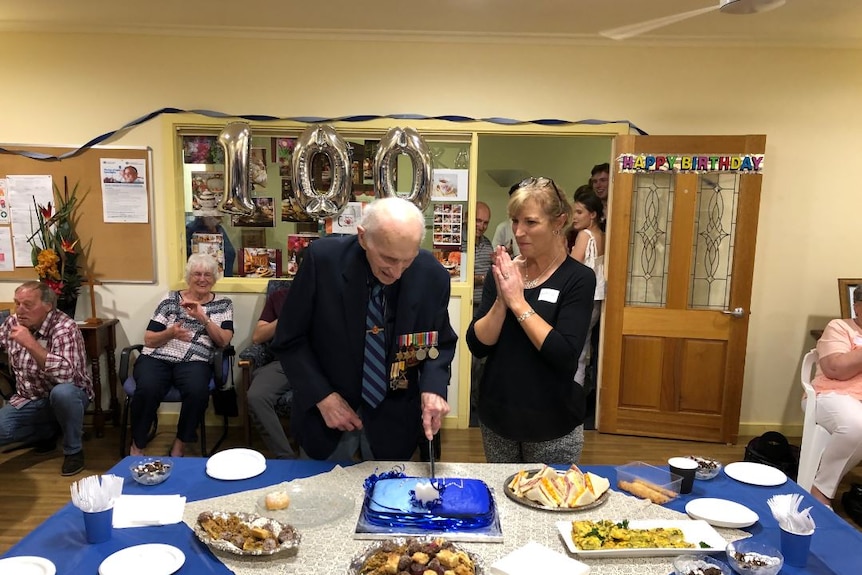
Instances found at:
x=388 y=210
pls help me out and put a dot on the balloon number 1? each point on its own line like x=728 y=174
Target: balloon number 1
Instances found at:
x=235 y=138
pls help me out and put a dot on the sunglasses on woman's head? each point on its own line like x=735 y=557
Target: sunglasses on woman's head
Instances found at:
x=541 y=182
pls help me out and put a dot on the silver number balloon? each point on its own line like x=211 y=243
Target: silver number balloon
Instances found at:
x=403 y=141
x=235 y=138
x=322 y=140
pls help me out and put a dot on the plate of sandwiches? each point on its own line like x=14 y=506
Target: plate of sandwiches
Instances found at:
x=552 y=490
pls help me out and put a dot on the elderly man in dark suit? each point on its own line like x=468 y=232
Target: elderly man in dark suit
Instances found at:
x=324 y=345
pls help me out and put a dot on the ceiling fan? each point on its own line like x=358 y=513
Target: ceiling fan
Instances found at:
x=725 y=6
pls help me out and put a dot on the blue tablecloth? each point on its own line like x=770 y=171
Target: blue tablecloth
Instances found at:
x=61 y=537
x=836 y=548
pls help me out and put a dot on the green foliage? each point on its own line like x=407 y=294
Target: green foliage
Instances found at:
x=56 y=246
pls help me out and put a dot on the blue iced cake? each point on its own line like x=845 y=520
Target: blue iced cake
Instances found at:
x=404 y=502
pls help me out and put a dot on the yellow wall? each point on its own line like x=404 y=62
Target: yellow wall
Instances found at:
x=66 y=88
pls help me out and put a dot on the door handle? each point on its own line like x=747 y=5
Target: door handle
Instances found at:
x=736 y=312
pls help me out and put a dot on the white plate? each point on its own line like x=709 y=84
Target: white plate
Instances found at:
x=693 y=531
x=27 y=565
x=721 y=512
x=234 y=464
x=309 y=507
x=755 y=473
x=149 y=559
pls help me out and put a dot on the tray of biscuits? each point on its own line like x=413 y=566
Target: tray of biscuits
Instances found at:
x=246 y=533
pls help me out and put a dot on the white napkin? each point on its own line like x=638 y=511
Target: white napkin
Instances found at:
x=143 y=510
x=535 y=558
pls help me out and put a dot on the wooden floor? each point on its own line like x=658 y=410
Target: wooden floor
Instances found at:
x=32 y=488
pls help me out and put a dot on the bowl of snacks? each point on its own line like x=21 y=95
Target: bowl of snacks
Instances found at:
x=749 y=557
x=151 y=470
x=694 y=565
x=415 y=555
x=706 y=468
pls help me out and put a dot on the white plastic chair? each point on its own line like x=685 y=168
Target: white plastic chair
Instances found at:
x=814 y=436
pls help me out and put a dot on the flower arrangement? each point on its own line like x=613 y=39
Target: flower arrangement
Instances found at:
x=55 y=245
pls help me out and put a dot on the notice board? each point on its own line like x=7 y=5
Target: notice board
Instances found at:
x=113 y=252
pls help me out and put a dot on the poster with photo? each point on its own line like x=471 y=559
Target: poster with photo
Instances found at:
x=202 y=150
x=207 y=192
x=291 y=211
x=447 y=226
x=449 y=185
x=282 y=155
x=296 y=246
x=261 y=262
x=454 y=260
x=212 y=244
x=257 y=168
x=262 y=217
x=124 y=190
x=347 y=220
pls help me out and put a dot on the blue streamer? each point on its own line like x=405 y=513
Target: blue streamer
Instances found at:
x=307 y=120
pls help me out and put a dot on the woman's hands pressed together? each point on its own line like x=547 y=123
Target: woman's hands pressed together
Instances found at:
x=510 y=284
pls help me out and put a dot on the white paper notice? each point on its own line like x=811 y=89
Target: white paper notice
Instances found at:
x=4 y=203
x=7 y=263
x=25 y=192
x=124 y=191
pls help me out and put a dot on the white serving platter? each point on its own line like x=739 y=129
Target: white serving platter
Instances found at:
x=695 y=532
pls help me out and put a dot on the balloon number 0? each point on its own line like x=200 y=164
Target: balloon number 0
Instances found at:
x=403 y=141
x=322 y=203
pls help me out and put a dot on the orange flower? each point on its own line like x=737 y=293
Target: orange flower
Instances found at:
x=69 y=247
x=48 y=257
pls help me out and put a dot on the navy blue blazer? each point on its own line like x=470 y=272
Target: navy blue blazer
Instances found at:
x=320 y=341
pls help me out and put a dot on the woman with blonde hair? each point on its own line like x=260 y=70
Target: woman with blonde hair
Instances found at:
x=531 y=326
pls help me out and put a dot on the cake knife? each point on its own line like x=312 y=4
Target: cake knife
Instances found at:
x=431 y=455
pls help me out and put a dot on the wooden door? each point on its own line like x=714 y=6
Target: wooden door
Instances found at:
x=680 y=262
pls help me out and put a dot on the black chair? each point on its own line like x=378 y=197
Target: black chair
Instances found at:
x=222 y=366
x=252 y=357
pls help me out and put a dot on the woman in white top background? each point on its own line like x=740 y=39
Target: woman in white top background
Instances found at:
x=589 y=249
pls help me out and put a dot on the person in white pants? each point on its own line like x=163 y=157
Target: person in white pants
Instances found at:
x=838 y=384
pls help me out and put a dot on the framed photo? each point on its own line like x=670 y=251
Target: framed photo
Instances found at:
x=449 y=185
x=846 y=288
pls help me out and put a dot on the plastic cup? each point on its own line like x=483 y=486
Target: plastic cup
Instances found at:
x=685 y=468
x=99 y=525
x=795 y=548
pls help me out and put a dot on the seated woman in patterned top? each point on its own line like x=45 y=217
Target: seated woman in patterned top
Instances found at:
x=186 y=328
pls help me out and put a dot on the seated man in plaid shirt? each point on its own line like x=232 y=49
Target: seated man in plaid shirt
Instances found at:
x=52 y=380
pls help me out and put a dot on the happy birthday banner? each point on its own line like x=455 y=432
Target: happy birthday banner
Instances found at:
x=687 y=163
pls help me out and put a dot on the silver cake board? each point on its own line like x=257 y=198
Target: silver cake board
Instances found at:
x=493 y=533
